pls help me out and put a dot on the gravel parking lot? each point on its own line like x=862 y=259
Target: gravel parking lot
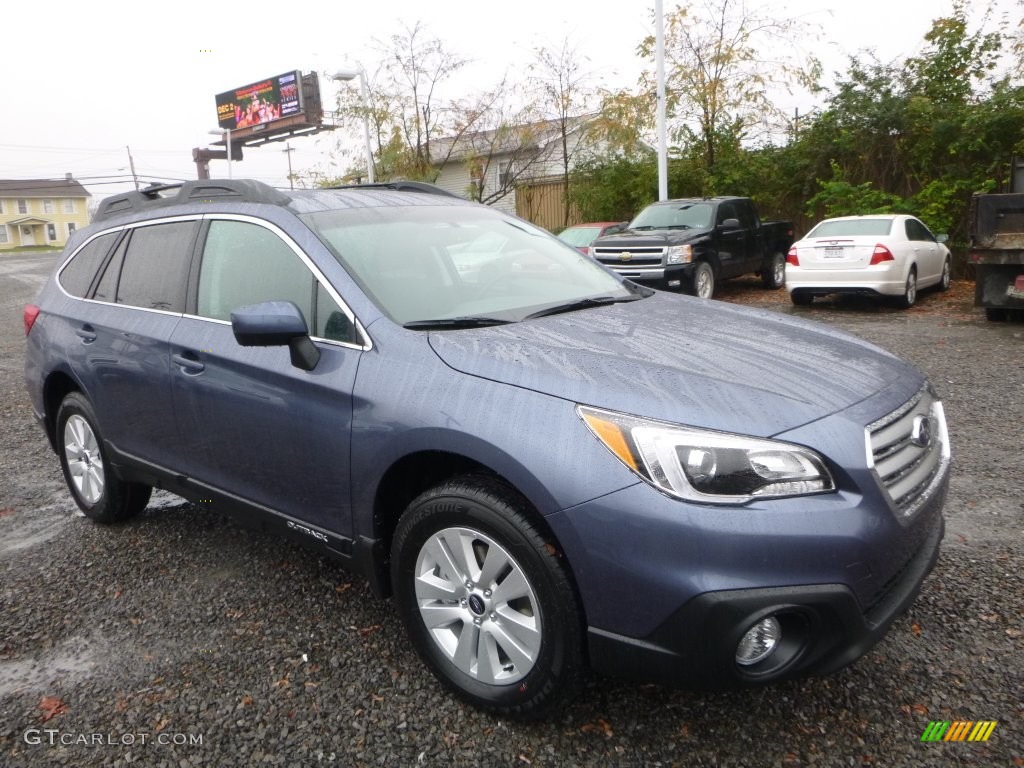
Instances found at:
x=181 y=639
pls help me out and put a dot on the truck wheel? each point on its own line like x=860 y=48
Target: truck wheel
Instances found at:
x=996 y=314
x=801 y=299
x=485 y=598
x=774 y=276
x=909 y=291
x=702 y=283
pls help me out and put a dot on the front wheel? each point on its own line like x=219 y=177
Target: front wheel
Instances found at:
x=99 y=493
x=485 y=599
x=774 y=276
x=702 y=282
x=947 y=275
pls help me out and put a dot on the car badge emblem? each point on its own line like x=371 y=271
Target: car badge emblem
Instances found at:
x=625 y=256
x=921 y=435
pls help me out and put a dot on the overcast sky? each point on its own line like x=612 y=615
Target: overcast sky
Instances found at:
x=86 y=80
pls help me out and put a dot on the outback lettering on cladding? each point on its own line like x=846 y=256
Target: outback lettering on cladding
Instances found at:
x=54 y=737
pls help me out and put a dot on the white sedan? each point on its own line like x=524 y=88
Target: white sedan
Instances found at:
x=881 y=255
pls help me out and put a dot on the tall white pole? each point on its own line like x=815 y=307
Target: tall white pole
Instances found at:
x=366 y=125
x=662 y=133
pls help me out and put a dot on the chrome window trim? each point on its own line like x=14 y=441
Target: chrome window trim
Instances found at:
x=367 y=344
x=121 y=228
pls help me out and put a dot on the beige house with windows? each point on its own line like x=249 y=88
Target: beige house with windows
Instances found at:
x=41 y=212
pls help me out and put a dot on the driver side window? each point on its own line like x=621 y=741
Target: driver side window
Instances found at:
x=244 y=263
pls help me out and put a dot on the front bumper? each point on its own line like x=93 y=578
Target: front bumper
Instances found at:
x=649 y=273
x=669 y=588
x=823 y=629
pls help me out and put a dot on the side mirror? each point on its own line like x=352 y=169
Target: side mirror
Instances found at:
x=942 y=238
x=730 y=224
x=276 y=324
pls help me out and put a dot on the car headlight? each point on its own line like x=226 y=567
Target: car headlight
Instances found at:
x=680 y=254
x=707 y=466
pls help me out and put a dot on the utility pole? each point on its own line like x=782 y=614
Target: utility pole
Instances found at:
x=131 y=164
x=288 y=151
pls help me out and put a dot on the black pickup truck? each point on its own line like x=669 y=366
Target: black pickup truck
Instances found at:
x=692 y=243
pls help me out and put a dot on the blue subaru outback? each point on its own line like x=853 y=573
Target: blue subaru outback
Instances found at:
x=550 y=468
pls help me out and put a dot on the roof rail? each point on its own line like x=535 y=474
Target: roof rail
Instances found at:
x=400 y=185
x=203 y=190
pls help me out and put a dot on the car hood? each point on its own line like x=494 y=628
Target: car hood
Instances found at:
x=651 y=238
x=687 y=360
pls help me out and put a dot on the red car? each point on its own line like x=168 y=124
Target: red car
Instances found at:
x=582 y=235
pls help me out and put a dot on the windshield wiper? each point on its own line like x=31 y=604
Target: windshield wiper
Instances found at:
x=572 y=306
x=470 y=321
x=678 y=226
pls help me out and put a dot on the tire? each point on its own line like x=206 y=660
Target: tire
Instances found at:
x=801 y=299
x=467 y=560
x=947 y=275
x=100 y=494
x=702 y=282
x=996 y=314
x=774 y=276
x=909 y=291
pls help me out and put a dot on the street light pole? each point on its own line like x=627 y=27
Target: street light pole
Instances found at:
x=288 y=150
x=226 y=133
x=351 y=74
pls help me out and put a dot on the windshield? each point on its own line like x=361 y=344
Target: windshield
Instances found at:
x=674 y=215
x=851 y=228
x=424 y=263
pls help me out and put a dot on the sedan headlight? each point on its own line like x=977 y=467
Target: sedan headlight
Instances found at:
x=680 y=254
x=707 y=466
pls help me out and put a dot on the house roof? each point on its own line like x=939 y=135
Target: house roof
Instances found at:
x=66 y=187
x=536 y=134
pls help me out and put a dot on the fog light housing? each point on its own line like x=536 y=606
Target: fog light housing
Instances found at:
x=759 y=642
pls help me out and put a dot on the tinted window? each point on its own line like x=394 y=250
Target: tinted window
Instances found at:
x=106 y=290
x=77 y=276
x=726 y=211
x=155 y=270
x=918 y=231
x=244 y=264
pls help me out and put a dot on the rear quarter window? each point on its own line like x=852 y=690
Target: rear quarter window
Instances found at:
x=155 y=270
x=77 y=275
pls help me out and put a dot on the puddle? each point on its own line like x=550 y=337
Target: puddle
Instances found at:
x=74 y=660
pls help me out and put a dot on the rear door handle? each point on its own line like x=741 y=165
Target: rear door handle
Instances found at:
x=86 y=333
x=189 y=363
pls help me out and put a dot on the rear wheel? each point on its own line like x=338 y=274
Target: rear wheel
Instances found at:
x=774 y=276
x=909 y=290
x=485 y=599
x=702 y=283
x=100 y=494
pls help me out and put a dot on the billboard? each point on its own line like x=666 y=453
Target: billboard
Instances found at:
x=257 y=103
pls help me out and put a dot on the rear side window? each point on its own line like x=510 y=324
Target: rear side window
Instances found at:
x=154 y=274
x=77 y=276
x=247 y=264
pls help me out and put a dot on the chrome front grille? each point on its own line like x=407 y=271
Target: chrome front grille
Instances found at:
x=627 y=257
x=909 y=450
